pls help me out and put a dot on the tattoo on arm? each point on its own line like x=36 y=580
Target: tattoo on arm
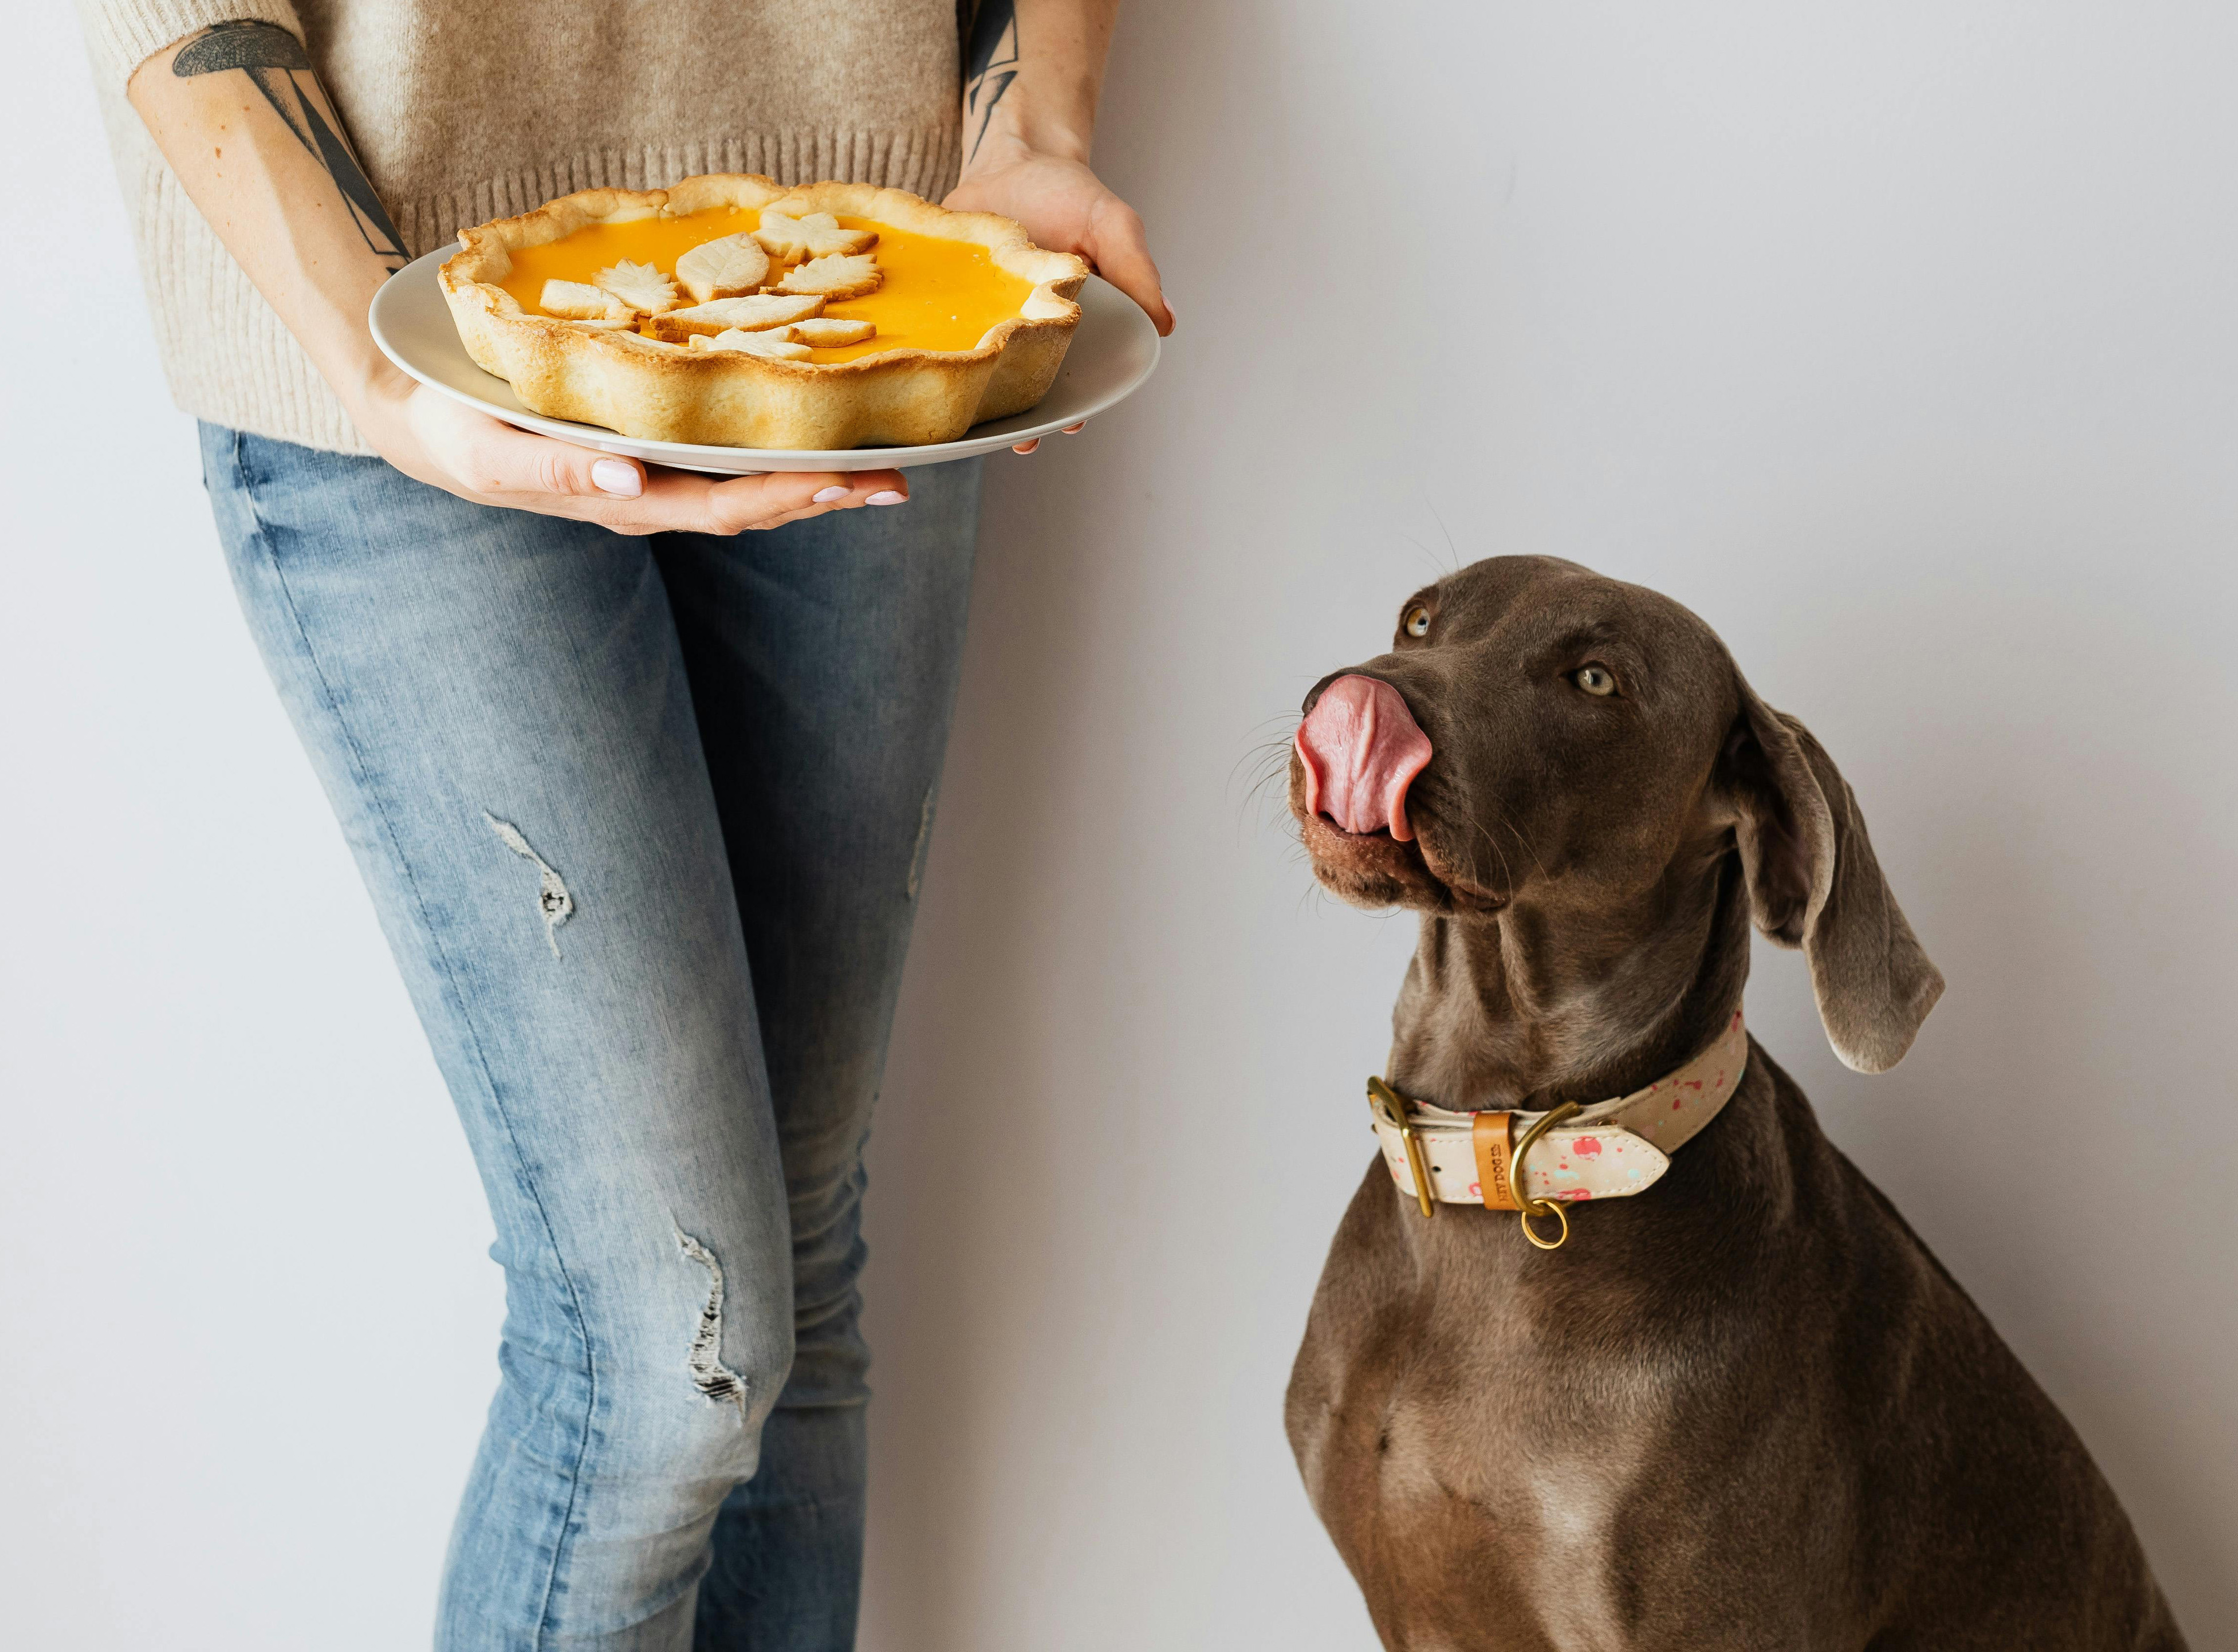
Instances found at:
x=273 y=59
x=990 y=64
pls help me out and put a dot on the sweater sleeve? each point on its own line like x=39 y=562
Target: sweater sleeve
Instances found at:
x=125 y=34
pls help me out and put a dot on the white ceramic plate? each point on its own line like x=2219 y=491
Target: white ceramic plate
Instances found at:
x=1113 y=351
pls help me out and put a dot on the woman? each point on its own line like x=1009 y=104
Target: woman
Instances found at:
x=643 y=806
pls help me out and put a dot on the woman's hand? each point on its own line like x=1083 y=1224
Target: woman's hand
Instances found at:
x=435 y=440
x=1032 y=71
x=1065 y=207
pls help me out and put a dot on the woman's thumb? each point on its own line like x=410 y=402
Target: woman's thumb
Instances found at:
x=513 y=461
x=619 y=476
x=562 y=468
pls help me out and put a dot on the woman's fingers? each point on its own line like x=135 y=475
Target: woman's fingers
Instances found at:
x=1028 y=447
x=1121 y=255
x=490 y=460
x=780 y=497
x=685 y=502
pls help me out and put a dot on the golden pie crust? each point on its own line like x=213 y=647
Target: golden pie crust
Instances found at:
x=662 y=391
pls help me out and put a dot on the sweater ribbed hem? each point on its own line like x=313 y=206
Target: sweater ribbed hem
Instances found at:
x=922 y=162
x=127 y=33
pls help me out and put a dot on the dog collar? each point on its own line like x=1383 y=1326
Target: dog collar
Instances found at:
x=1609 y=1150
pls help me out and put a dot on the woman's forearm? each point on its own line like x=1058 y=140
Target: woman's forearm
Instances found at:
x=1032 y=72
x=240 y=117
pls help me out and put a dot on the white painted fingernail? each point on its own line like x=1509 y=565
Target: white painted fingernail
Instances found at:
x=887 y=496
x=824 y=496
x=611 y=476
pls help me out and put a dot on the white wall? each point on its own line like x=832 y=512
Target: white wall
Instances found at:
x=1899 y=341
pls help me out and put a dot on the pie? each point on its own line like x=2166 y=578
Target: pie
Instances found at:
x=729 y=311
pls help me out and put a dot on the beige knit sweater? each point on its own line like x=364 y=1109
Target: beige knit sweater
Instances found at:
x=464 y=110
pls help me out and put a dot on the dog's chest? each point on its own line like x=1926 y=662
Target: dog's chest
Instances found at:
x=1474 y=1466
x=1475 y=1491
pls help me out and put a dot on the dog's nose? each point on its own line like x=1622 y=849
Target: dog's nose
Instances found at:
x=1362 y=749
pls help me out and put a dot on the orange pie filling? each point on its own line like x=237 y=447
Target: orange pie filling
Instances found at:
x=931 y=294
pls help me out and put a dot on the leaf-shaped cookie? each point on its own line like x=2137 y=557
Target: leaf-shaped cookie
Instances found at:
x=834 y=277
x=723 y=268
x=641 y=286
x=829 y=331
x=775 y=342
x=580 y=302
x=751 y=314
x=815 y=234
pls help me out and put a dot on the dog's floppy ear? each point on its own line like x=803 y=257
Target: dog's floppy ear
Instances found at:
x=1813 y=883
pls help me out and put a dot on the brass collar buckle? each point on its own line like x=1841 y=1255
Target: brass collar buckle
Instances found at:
x=1392 y=1109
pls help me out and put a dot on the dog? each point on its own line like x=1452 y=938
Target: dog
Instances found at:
x=1743 y=1407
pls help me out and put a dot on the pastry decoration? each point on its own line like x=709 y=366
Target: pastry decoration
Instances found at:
x=793 y=240
x=830 y=333
x=644 y=288
x=581 y=301
x=834 y=276
x=776 y=343
x=761 y=310
x=725 y=267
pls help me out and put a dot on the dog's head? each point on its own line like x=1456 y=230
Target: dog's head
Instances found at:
x=1541 y=740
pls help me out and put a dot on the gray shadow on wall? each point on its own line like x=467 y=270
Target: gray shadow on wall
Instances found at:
x=963 y=1154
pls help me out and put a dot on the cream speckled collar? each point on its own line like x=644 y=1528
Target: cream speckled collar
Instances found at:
x=1606 y=1151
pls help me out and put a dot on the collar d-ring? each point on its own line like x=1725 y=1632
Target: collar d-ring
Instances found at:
x=1526 y=1206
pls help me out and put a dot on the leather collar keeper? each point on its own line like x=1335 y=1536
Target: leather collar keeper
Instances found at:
x=1609 y=1150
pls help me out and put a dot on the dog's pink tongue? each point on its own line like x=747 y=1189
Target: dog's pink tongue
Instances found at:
x=1362 y=749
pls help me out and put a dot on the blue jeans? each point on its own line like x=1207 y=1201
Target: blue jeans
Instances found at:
x=643 y=820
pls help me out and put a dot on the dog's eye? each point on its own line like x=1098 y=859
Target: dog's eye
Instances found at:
x=1594 y=679
x=1416 y=621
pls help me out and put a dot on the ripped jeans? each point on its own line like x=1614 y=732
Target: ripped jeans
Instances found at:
x=643 y=820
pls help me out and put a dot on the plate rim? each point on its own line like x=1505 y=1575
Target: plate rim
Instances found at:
x=736 y=461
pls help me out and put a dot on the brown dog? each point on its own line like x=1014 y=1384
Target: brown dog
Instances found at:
x=1743 y=1408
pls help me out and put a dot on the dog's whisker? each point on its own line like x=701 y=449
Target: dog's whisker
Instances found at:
x=1262 y=789
x=1451 y=549
x=1428 y=555
x=1258 y=768
x=1506 y=873
x=1521 y=842
x=1259 y=751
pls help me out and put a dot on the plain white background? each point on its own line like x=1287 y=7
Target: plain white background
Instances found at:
x=1900 y=341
